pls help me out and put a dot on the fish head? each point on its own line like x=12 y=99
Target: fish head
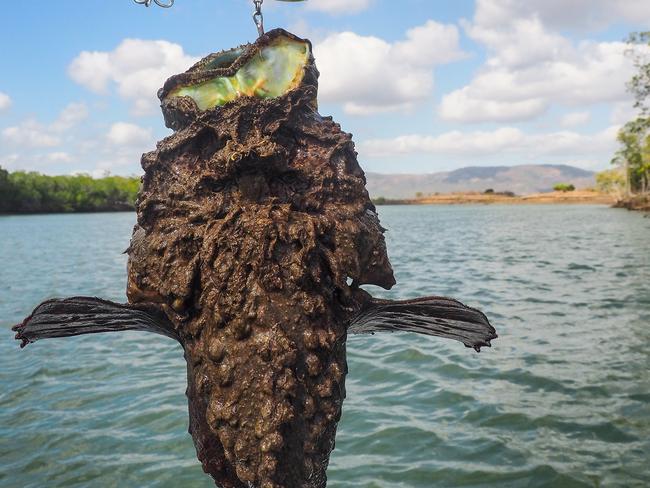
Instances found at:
x=276 y=64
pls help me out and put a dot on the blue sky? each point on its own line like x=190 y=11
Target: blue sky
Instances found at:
x=423 y=85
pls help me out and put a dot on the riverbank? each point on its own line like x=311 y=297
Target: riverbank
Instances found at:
x=639 y=203
x=556 y=197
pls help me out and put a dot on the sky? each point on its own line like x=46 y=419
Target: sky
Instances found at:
x=423 y=85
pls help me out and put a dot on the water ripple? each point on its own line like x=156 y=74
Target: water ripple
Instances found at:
x=561 y=399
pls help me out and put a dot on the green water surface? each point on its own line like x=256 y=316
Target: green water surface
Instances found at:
x=561 y=400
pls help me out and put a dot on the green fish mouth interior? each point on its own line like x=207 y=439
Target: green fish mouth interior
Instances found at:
x=275 y=70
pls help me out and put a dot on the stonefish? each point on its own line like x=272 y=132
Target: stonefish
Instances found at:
x=254 y=234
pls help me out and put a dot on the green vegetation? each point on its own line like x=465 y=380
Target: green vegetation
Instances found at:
x=564 y=187
x=22 y=192
x=634 y=155
x=610 y=181
x=391 y=201
x=490 y=191
x=633 y=158
x=639 y=85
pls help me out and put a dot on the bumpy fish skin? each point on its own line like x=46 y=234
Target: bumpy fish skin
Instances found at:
x=254 y=233
x=251 y=219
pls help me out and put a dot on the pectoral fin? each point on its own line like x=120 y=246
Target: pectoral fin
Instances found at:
x=435 y=316
x=84 y=315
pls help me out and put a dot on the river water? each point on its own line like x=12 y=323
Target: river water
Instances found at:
x=561 y=399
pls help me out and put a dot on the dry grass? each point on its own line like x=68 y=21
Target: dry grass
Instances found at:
x=579 y=196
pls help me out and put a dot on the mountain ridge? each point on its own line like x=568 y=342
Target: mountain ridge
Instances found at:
x=522 y=180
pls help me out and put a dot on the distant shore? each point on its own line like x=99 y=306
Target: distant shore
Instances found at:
x=556 y=197
x=35 y=193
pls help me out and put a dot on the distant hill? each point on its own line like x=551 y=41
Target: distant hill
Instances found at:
x=524 y=179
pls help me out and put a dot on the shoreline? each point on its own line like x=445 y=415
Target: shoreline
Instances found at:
x=637 y=203
x=463 y=198
x=69 y=212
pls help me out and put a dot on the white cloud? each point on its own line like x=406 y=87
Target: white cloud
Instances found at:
x=622 y=113
x=91 y=69
x=7 y=161
x=35 y=159
x=429 y=44
x=70 y=116
x=369 y=75
x=517 y=42
x=136 y=68
x=59 y=157
x=449 y=143
x=462 y=106
x=337 y=7
x=116 y=149
x=530 y=68
x=5 y=102
x=30 y=134
x=574 y=119
x=128 y=135
x=565 y=14
x=561 y=145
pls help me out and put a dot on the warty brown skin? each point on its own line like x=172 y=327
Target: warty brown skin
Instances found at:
x=254 y=217
x=254 y=233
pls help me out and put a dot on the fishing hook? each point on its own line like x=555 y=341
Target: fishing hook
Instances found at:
x=258 y=18
x=147 y=3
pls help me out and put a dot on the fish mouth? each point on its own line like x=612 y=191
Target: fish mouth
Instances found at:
x=269 y=68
